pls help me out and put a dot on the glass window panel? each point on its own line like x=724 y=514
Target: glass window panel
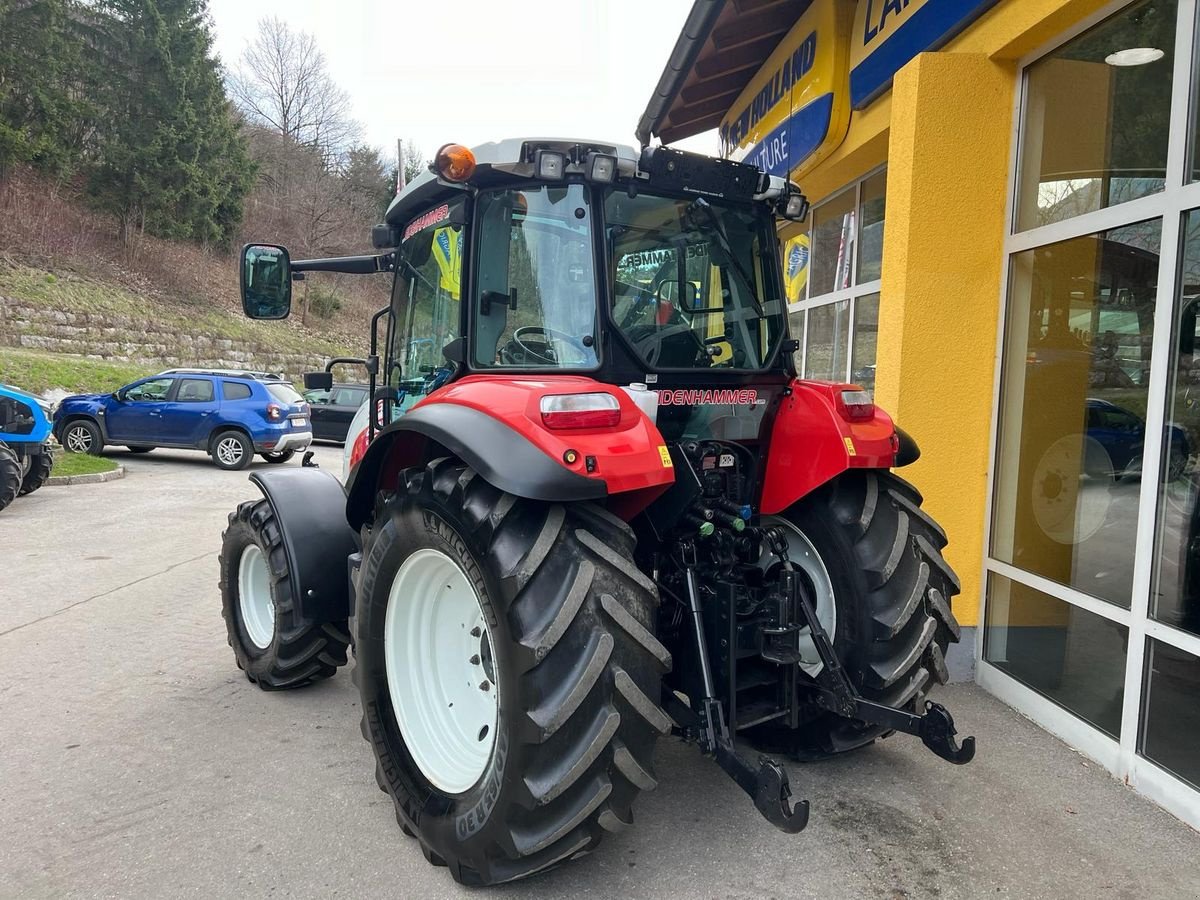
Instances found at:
x=1095 y=131
x=795 y=267
x=1074 y=657
x=1171 y=710
x=828 y=337
x=870 y=214
x=1176 y=596
x=1074 y=392
x=832 y=244
x=796 y=329
x=866 y=331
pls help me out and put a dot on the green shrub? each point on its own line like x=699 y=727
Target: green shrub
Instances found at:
x=323 y=302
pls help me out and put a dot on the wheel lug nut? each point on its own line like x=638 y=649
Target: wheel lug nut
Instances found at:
x=485 y=685
x=475 y=660
x=475 y=632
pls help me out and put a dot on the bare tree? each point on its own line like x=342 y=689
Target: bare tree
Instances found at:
x=282 y=83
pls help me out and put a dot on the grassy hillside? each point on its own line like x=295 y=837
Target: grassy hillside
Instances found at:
x=39 y=372
x=68 y=292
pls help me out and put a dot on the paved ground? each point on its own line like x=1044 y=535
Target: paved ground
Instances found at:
x=135 y=760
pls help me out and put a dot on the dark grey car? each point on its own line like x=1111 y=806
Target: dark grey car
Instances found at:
x=333 y=410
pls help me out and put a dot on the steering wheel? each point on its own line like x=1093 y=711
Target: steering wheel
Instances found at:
x=538 y=342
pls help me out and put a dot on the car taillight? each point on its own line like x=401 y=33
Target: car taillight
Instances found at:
x=598 y=410
x=855 y=405
x=359 y=450
x=274 y=412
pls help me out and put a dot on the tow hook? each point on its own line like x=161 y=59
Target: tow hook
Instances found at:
x=307 y=461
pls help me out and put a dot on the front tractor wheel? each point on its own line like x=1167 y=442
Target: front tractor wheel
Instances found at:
x=40 y=466
x=872 y=560
x=10 y=475
x=508 y=671
x=272 y=643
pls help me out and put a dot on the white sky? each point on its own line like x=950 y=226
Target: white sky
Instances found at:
x=471 y=71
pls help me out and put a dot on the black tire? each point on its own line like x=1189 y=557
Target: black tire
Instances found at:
x=225 y=439
x=10 y=475
x=39 y=471
x=139 y=449
x=574 y=649
x=83 y=434
x=892 y=589
x=301 y=652
x=278 y=458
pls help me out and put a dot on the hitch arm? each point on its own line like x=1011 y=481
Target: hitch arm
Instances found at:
x=837 y=694
x=767 y=783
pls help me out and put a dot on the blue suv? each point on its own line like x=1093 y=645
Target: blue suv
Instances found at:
x=231 y=415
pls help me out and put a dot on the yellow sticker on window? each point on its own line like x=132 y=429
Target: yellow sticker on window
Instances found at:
x=850 y=446
x=666 y=457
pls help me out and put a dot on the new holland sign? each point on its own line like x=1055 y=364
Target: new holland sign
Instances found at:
x=888 y=33
x=795 y=109
x=838 y=56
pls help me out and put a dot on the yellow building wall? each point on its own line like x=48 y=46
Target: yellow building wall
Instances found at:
x=945 y=130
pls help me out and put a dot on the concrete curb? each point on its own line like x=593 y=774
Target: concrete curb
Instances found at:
x=94 y=478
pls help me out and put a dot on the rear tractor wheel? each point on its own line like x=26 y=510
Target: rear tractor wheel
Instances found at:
x=508 y=671
x=272 y=644
x=872 y=559
x=10 y=475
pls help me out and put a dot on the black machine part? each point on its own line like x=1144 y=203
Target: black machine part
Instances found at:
x=705 y=514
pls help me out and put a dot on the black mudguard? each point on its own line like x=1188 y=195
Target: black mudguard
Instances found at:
x=909 y=452
x=310 y=507
x=501 y=455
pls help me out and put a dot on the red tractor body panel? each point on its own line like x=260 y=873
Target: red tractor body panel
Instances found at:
x=811 y=442
x=629 y=456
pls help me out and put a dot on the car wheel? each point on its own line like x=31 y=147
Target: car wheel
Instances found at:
x=278 y=458
x=83 y=436
x=231 y=450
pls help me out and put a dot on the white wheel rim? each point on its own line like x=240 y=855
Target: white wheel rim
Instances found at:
x=229 y=451
x=803 y=555
x=79 y=440
x=440 y=670
x=254 y=597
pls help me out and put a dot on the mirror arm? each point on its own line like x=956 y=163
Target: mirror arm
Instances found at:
x=347 y=265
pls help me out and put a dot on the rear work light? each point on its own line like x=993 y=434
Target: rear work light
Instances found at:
x=598 y=410
x=274 y=412
x=855 y=405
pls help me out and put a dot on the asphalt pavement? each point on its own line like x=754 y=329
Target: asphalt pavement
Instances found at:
x=137 y=761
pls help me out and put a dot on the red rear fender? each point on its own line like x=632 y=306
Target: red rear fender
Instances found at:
x=812 y=442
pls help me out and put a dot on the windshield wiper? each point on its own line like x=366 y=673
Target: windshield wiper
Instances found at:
x=700 y=205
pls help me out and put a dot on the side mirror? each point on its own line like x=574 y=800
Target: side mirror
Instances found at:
x=318 y=381
x=266 y=281
x=119 y=396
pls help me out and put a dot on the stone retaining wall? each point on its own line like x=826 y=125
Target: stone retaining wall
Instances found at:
x=120 y=338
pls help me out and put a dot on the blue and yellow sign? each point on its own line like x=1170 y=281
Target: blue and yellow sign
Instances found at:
x=795 y=267
x=794 y=111
x=888 y=33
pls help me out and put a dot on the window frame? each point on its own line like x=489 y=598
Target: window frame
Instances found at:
x=1122 y=757
x=855 y=292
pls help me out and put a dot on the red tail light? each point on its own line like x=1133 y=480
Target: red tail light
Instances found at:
x=855 y=405
x=359 y=450
x=274 y=412
x=597 y=410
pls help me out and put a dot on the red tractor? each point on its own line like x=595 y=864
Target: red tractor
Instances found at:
x=593 y=505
